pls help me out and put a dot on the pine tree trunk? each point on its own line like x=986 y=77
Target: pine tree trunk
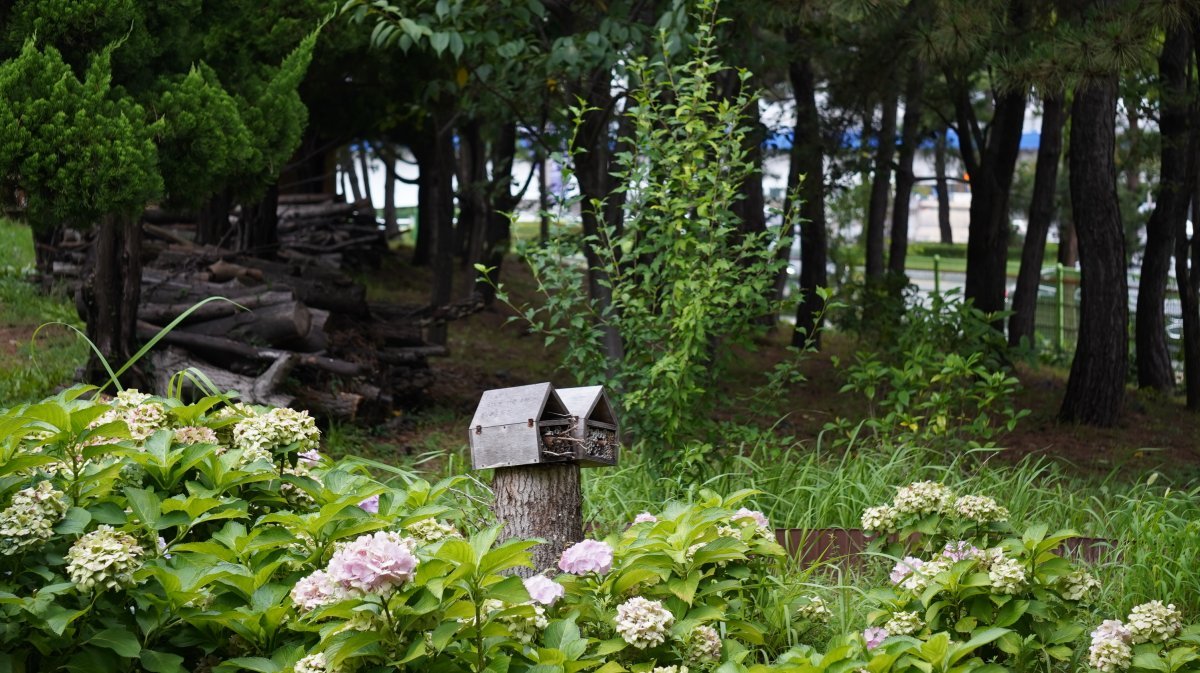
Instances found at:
x=1171 y=207
x=472 y=194
x=1187 y=259
x=258 y=226
x=943 y=188
x=991 y=182
x=914 y=89
x=593 y=173
x=348 y=170
x=543 y=199
x=391 y=227
x=881 y=184
x=423 y=152
x=540 y=501
x=497 y=233
x=111 y=295
x=364 y=162
x=442 y=243
x=807 y=164
x=1096 y=387
x=212 y=222
x=1041 y=214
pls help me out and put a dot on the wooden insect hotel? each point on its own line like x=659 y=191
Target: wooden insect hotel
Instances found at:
x=594 y=425
x=523 y=425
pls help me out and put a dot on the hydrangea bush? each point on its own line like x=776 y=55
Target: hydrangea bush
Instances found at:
x=146 y=534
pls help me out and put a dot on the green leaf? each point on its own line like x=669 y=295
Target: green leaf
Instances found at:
x=121 y=641
x=145 y=506
x=74 y=522
x=439 y=41
x=162 y=662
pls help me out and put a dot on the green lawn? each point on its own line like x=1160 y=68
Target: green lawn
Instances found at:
x=32 y=368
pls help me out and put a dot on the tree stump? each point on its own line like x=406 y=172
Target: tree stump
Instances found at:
x=540 y=501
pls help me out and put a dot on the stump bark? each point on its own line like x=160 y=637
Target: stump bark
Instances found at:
x=540 y=501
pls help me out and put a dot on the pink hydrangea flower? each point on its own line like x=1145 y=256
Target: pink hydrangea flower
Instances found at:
x=370 y=505
x=645 y=517
x=544 y=590
x=311 y=457
x=904 y=568
x=315 y=591
x=874 y=635
x=958 y=551
x=373 y=564
x=759 y=518
x=587 y=556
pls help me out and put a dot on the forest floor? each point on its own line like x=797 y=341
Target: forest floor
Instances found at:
x=488 y=350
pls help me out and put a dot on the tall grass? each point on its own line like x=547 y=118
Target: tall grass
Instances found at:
x=1154 y=525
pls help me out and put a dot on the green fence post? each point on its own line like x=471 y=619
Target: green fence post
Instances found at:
x=1058 y=299
x=937 y=275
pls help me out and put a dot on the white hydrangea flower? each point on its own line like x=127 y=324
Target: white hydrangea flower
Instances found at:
x=1110 y=650
x=904 y=623
x=882 y=518
x=1154 y=622
x=198 y=434
x=525 y=628
x=141 y=416
x=918 y=580
x=980 y=509
x=130 y=398
x=103 y=559
x=431 y=530
x=313 y=663
x=1007 y=575
x=643 y=623
x=294 y=494
x=1077 y=584
x=278 y=427
x=815 y=610
x=724 y=530
x=489 y=606
x=703 y=643
x=669 y=669
x=30 y=518
x=923 y=497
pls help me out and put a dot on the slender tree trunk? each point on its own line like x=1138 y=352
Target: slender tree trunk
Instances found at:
x=364 y=162
x=943 y=188
x=258 y=226
x=601 y=207
x=881 y=184
x=347 y=161
x=1187 y=264
x=991 y=182
x=1187 y=257
x=1096 y=388
x=390 y=226
x=1041 y=214
x=498 y=232
x=212 y=222
x=473 y=187
x=110 y=296
x=1171 y=208
x=909 y=139
x=540 y=501
x=543 y=199
x=442 y=243
x=1068 y=242
x=807 y=170
x=427 y=217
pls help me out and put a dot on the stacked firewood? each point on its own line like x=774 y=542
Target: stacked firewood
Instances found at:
x=294 y=330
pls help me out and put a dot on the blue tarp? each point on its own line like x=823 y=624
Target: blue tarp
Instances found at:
x=782 y=141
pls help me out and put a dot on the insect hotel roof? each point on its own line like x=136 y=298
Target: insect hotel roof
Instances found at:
x=509 y=425
x=596 y=428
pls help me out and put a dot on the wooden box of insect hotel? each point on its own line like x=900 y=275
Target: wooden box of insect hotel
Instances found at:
x=523 y=425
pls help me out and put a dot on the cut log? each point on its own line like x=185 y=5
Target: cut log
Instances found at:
x=161 y=314
x=214 y=347
x=271 y=325
x=254 y=390
x=342 y=406
x=222 y=270
x=398 y=356
x=316 y=339
x=319 y=197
